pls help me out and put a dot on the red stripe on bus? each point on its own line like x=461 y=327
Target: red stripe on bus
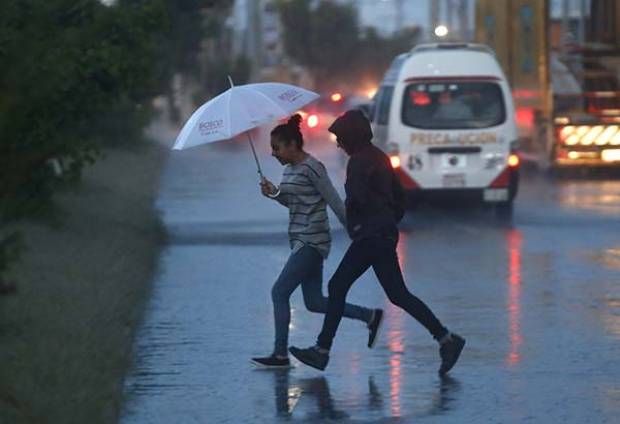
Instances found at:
x=407 y=182
x=502 y=180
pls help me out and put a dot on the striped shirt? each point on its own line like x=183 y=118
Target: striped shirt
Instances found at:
x=306 y=190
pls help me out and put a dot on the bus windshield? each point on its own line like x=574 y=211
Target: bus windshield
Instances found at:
x=453 y=105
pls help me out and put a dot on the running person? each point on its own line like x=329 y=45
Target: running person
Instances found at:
x=305 y=190
x=374 y=205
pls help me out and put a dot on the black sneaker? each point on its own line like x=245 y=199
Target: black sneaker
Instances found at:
x=450 y=352
x=271 y=362
x=373 y=327
x=311 y=356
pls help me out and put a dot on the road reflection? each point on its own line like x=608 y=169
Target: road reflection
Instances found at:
x=600 y=196
x=395 y=345
x=395 y=338
x=514 y=242
x=612 y=316
x=448 y=387
x=610 y=259
x=322 y=406
x=288 y=395
x=401 y=249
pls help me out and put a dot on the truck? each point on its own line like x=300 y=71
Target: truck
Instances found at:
x=566 y=90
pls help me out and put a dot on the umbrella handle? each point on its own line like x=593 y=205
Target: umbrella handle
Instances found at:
x=260 y=172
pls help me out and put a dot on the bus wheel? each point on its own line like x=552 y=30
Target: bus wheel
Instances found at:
x=503 y=210
x=412 y=199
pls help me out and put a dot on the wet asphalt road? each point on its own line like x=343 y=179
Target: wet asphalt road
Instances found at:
x=538 y=299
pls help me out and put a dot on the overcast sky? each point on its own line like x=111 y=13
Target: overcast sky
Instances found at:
x=382 y=13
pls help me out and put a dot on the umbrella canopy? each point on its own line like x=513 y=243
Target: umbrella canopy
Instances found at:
x=240 y=109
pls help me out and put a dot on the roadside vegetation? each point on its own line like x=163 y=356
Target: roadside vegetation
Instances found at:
x=78 y=234
x=78 y=76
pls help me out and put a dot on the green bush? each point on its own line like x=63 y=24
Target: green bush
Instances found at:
x=70 y=69
x=78 y=75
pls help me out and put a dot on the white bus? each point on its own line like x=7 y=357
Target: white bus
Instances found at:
x=444 y=113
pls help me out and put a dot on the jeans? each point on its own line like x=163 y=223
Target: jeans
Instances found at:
x=380 y=254
x=304 y=267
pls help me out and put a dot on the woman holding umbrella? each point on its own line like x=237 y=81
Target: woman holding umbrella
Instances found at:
x=305 y=190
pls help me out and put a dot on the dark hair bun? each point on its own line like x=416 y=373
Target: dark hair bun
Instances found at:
x=290 y=132
x=295 y=121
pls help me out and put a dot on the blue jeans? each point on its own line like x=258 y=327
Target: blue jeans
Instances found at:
x=304 y=267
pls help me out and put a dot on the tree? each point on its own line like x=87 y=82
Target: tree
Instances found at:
x=335 y=41
x=84 y=62
x=323 y=39
x=194 y=24
x=296 y=18
x=375 y=52
x=77 y=75
x=326 y=39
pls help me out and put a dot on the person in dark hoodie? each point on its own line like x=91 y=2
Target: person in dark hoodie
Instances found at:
x=374 y=206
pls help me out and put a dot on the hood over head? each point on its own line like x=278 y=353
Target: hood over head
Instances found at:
x=352 y=128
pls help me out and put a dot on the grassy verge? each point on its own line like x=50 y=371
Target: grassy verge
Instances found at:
x=65 y=336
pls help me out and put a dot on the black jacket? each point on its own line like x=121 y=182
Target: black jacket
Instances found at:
x=375 y=198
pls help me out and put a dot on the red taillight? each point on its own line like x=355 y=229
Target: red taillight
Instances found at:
x=313 y=121
x=525 y=117
x=395 y=160
x=513 y=161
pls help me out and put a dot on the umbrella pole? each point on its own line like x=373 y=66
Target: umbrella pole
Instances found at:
x=260 y=172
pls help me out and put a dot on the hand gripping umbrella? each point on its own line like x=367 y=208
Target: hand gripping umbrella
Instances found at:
x=239 y=109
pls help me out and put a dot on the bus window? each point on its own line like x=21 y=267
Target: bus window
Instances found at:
x=383 y=106
x=453 y=105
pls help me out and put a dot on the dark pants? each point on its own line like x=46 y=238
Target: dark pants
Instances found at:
x=380 y=254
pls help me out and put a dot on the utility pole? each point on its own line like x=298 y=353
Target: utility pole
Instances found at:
x=435 y=11
x=451 y=9
x=565 y=27
x=581 y=28
x=398 y=9
x=463 y=13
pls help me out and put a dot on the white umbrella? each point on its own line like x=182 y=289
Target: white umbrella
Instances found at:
x=239 y=109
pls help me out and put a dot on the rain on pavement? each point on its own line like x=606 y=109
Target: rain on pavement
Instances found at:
x=537 y=299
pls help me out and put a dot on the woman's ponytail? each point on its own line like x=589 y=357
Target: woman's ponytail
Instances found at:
x=290 y=131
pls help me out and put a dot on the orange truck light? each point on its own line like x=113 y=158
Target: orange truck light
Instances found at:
x=395 y=160
x=610 y=155
x=513 y=161
x=585 y=135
